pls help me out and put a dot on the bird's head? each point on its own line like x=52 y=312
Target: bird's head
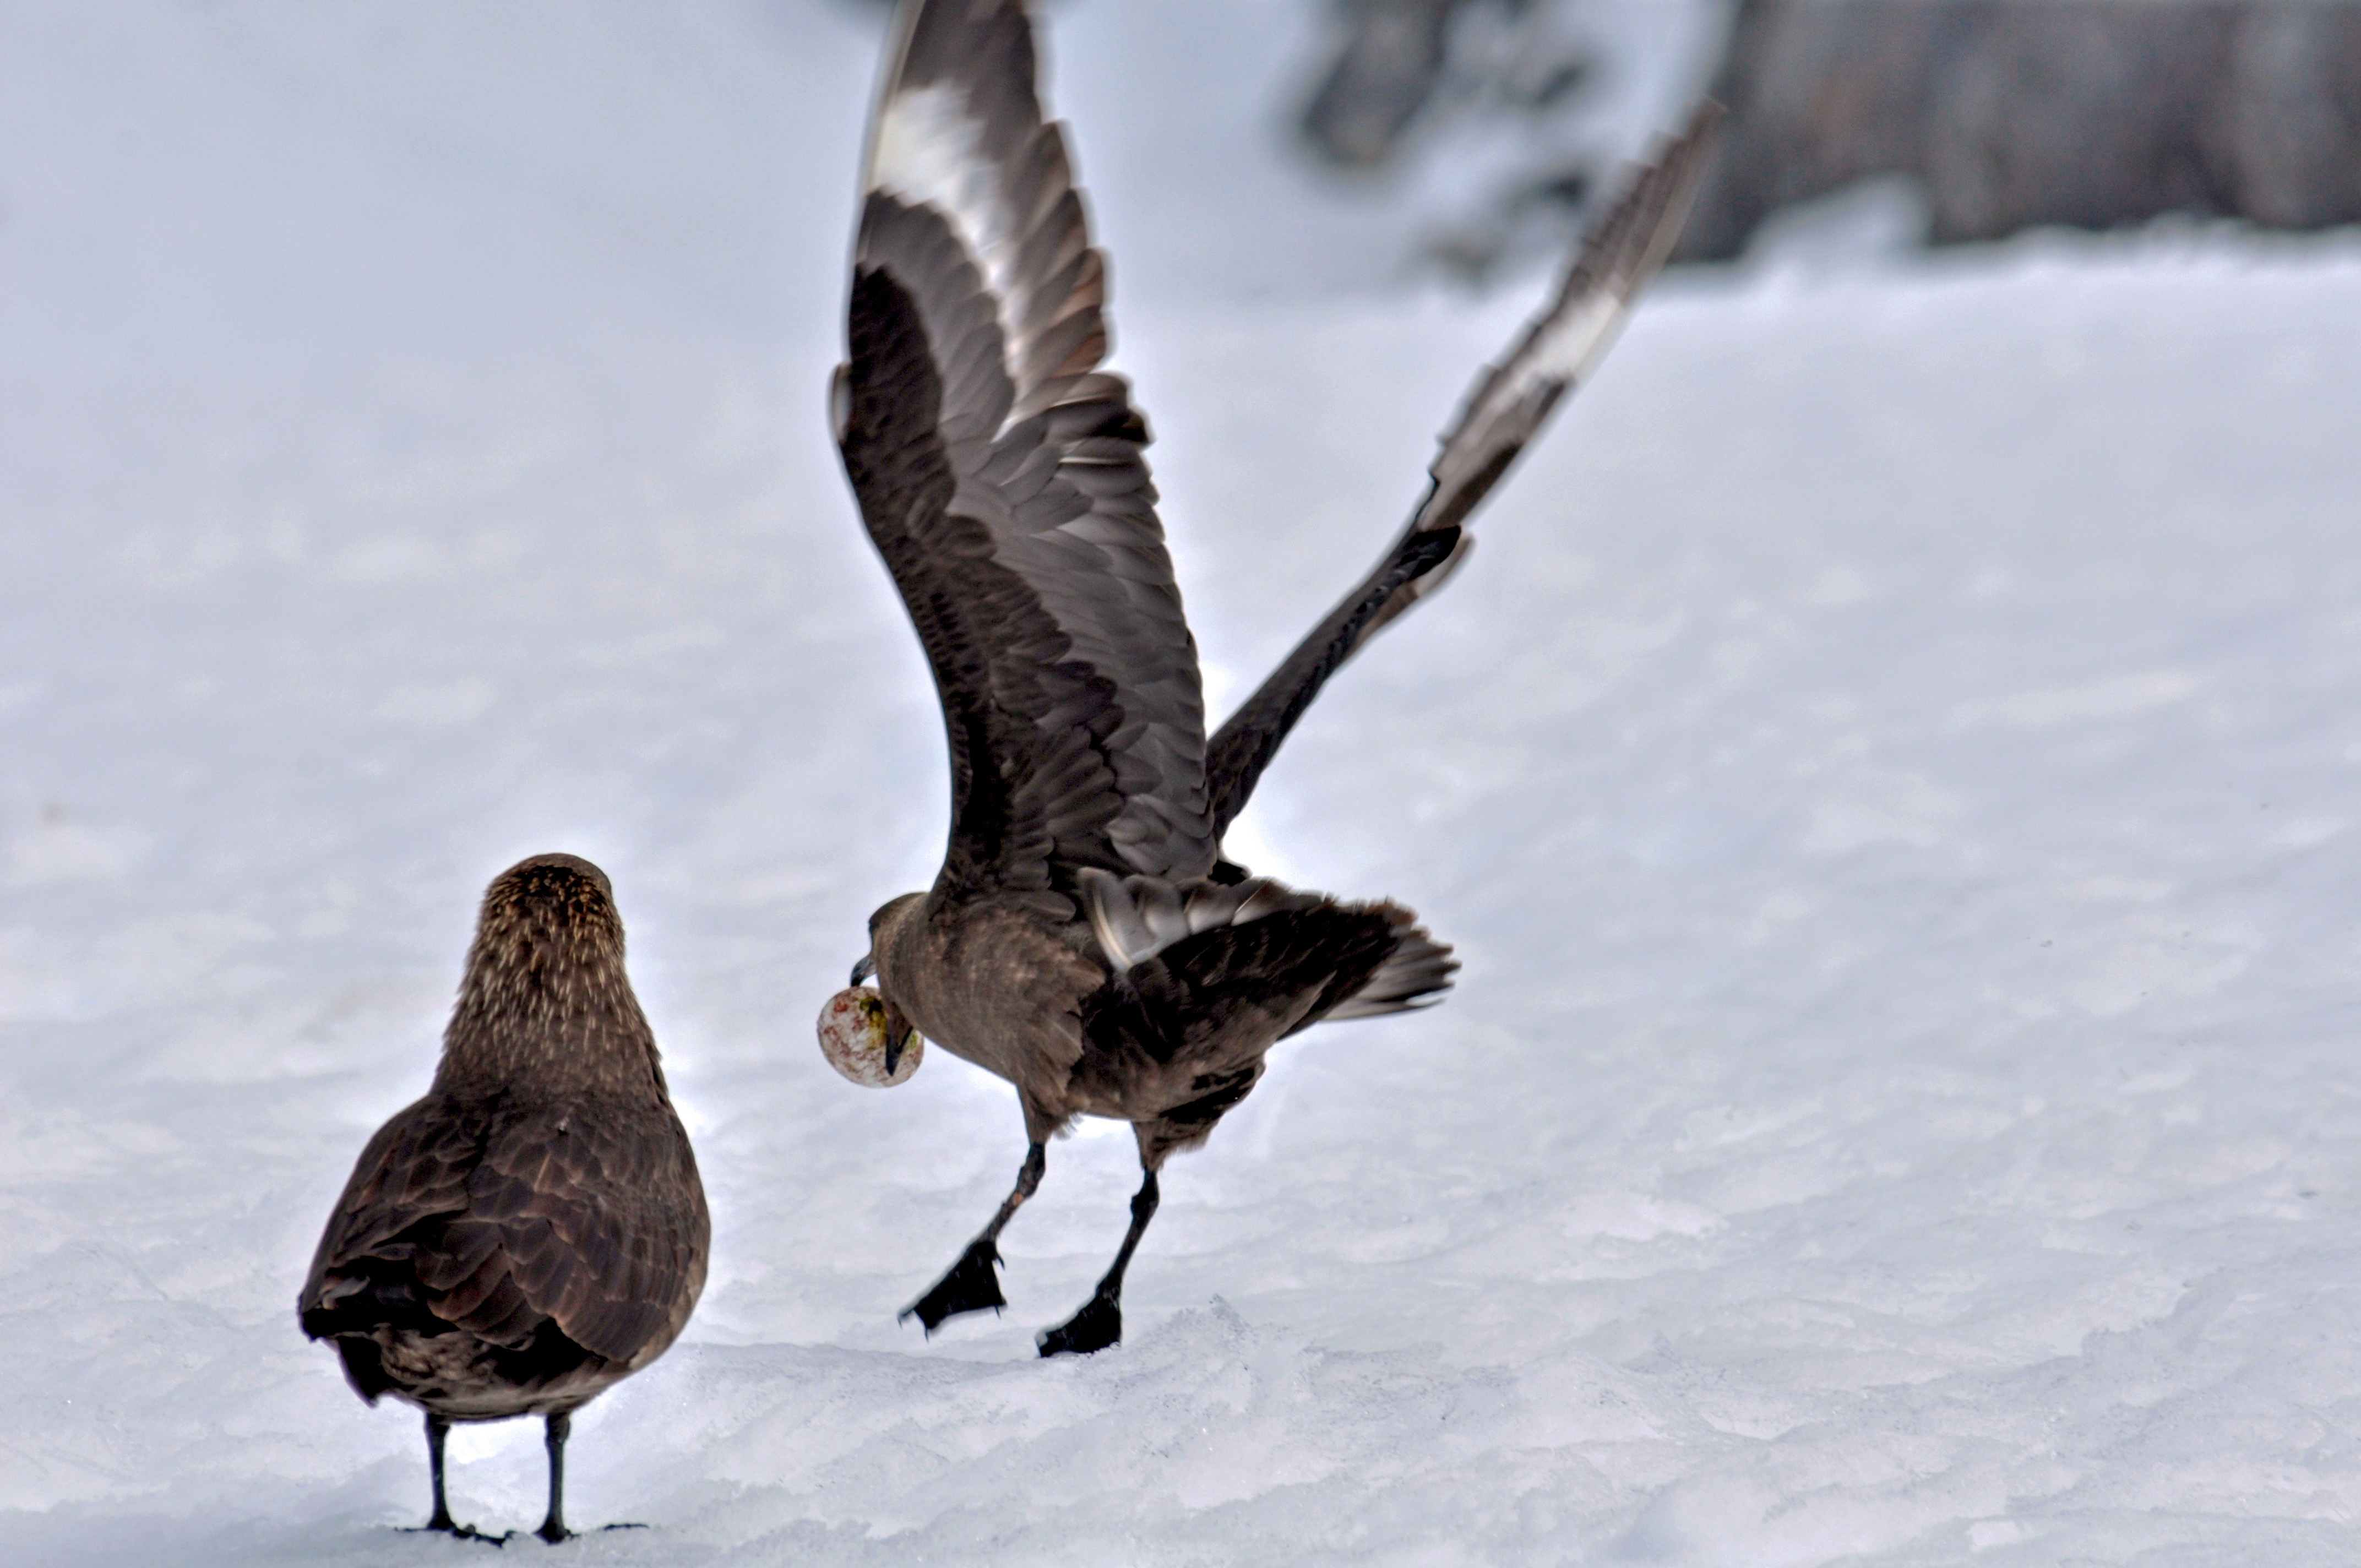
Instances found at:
x=862 y=1033
x=545 y=998
x=546 y=908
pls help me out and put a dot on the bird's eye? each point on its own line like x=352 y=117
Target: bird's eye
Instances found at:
x=855 y=1030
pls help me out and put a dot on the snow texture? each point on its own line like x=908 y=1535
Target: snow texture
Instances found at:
x=1889 y=772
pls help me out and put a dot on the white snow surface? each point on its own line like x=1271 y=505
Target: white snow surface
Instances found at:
x=1890 y=772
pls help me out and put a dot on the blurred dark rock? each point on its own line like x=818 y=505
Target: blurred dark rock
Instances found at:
x=2092 y=114
x=1392 y=59
x=1385 y=69
x=1403 y=71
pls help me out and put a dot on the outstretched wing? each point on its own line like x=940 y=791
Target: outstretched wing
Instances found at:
x=1505 y=410
x=497 y=1222
x=1000 y=474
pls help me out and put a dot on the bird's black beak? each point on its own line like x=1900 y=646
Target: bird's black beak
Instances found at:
x=865 y=968
x=899 y=1035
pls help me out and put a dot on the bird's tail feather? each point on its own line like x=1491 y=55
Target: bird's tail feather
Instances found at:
x=1416 y=975
x=1136 y=917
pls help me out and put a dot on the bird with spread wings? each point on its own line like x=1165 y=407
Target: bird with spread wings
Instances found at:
x=1087 y=940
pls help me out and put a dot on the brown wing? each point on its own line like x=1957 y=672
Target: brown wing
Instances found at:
x=1000 y=473
x=497 y=1221
x=1504 y=412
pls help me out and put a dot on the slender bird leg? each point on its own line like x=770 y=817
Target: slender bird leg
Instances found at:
x=438 y=1429
x=1100 y=1322
x=552 y=1529
x=971 y=1286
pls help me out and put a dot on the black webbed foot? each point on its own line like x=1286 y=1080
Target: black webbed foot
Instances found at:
x=563 y=1534
x=457 y=1531
x=1098 y=1325
x=969 y=1287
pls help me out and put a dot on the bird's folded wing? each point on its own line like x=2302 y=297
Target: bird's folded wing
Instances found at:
x=1000 y=473
x=410 y=1179
x=1504 y=411
x=591 y=1218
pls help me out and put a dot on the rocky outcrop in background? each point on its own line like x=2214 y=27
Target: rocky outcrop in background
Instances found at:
x=2009 y=114
x=1391 y=59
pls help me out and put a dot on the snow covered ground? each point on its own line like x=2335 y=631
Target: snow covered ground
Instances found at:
x=1889 y=770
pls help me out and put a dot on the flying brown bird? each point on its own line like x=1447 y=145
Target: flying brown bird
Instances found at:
x=1086 y=938
x=533 y=1231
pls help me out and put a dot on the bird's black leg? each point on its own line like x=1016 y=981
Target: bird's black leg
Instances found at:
x=971 y=1286
x=1100 y=1322
x=552 y=1529
x=438 y=1429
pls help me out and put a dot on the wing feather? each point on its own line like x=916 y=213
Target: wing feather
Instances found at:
x=497 y=1221
x=1504 y=411
x=1000 y=473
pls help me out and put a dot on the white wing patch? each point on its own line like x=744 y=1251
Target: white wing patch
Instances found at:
x=1508 y=404
x=1571 y=347
x=1559 y=355
x=929 y=152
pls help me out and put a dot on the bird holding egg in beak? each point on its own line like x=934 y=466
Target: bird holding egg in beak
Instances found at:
x=1087 y=940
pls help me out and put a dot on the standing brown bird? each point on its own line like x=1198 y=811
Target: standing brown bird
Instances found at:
x=1086 y=940
x=533 y=1231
